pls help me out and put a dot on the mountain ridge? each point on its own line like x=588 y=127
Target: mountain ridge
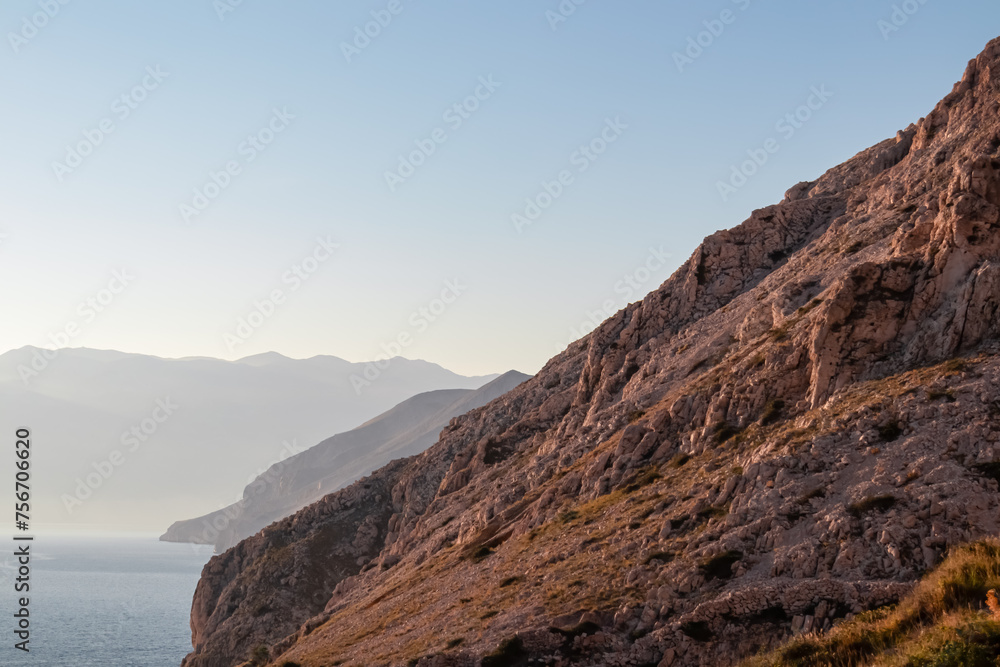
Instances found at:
x=287 y=486
x=232 y=418
x=789 y=431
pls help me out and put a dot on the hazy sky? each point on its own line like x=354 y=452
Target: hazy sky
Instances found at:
x=183 y=85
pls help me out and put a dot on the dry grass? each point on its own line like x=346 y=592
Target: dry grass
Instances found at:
x=943 y=623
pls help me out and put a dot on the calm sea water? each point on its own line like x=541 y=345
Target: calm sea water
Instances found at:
x=108 y=601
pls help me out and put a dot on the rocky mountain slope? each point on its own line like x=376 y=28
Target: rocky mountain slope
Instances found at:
x=789 y=431
x=287 y=486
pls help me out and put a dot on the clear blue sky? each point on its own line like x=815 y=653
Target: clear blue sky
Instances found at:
x=522 y=294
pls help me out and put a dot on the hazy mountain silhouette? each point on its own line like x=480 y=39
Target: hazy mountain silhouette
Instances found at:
x=204 y=427
x=407 y=429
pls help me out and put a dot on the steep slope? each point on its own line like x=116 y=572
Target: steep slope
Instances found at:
x=777 y=437
x=289 y=485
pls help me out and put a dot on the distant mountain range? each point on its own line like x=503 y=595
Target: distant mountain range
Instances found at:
x=134 y=441
x=288 y=486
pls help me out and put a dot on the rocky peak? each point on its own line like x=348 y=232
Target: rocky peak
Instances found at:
x=788 y=431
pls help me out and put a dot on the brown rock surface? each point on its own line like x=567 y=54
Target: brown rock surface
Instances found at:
x=788 y=431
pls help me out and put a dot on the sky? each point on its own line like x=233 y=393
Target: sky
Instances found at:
x=475 y=184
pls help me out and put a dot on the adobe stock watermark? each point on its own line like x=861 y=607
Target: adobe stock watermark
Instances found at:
x=580 y=161
x=454 y=116
x=32 y=25
x=131 y=440
x=900 y=16
x=127 y=615
x=293 y=279
x=562 y=13
x=223 y=7
x=630 y=286
x=257 y=484
x=786 y=127
x=87 y=311
x=121 y=108
x=419 y=321
x=365 y=34
x=248 y=151
x=714 y=29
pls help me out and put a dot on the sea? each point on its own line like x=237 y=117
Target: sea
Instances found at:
x=108 y=600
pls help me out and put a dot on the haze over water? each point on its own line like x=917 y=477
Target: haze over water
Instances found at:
x=117 y=600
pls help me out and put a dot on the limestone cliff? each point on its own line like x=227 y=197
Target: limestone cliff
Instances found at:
x=790 y=430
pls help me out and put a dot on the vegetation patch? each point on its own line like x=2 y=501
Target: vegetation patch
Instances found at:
x=955 y=366
x=772 y=412
x=481 y=554
x=510 y=653
x=260 y=656
x=990 y=470
x=944 y=622
x=662 y=556
x=724 y=431
x=937 y=395
x=568 y=516
x=635 y=416
x=818 y=492
x=855 y=247
x=679 y=460
x=721 y=566
x=872 y=504
x=809 y=306
x=780 y=333
x=714 y=512
x=890 y=431
x=770 y=615
x=698 y=366
x=698 y=631
x=644 y=477
x=585 y=628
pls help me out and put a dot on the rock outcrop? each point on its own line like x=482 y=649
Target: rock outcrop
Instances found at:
x=790 y=430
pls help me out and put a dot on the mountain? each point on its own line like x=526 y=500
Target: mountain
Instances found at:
x=127 y=440
x=289 y=485
x=792 y=429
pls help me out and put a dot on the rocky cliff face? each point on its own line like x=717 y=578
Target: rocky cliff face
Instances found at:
x=790 y=430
